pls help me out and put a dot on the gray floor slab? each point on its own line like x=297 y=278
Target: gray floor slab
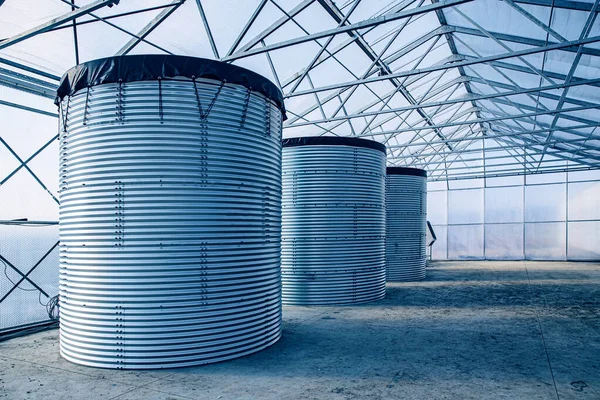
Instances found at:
x=471 y=330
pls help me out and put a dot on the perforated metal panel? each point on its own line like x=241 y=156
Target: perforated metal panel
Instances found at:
x=170 y=223
x=333 y=223
x=406 y=229
x=31 y=264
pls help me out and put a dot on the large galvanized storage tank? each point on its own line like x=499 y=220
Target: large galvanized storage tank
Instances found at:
x=333 y=221
x=406 y=214
x=170 y=212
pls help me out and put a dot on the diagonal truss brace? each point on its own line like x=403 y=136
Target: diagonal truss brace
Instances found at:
x=152 y=25
x=473 y=61
x=347 y=28
x=25 y=276
x=57 y=22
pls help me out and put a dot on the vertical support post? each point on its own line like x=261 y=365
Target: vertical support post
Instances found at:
x=75 y=42
x=567 y=213
x=523 y=197
x=447 y=214
x=524 y=223
x=484 y=194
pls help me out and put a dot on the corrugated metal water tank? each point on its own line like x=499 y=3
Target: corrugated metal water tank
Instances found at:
x=406 y=215
x=170 y=212
x=333 y=221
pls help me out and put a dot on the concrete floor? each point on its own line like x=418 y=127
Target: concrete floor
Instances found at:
x=472 y=330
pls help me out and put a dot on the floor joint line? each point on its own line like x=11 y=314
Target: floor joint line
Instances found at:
x=537 y=316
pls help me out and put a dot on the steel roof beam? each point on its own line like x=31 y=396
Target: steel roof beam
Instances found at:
x=332 y=56
x=117 y=27
x=512 y=140
x=418 y=135
x=491 y=119
x=532 y=108
x=584 y=33
x=521 y=128
x=564 y=4
x=207 y=29
x=557 y=155
x=247 y=52
x=540 y=132
x=351 y=90
x=26 y=108
x=152 y=25
x=474 y=61
x=519 y=39
x=317 y=56
x=466 y=150
x=29 y=69
x=533 y=121
x=500 y=134
x=272 y=66
x=330 y=97
x=542 y=125
x=520 y=68
x=486 y=165
x=454 y=101
x=389 y=59
x=536 y=21
x=320 y=103
x=472 y=134
x=321 y=60
x=462 y=69
x=503 y=45
x=268 y=31
x=93 y=6
x=26 y=78
x=113 y=16
x=508 y=173
x=27 y=84
x=556 y=143
x=505 y=173
x=548 y=96
x=404 y=50
x=334 y=95
x=338 y=16
x=450 y=40
x=583 y=144
x=440 y=89
x=244 y=31
x=505 y=76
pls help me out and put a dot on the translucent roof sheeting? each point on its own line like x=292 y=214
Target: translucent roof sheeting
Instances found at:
x=464 y=89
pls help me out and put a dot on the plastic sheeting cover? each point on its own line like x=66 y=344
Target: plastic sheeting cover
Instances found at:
x=152 y=67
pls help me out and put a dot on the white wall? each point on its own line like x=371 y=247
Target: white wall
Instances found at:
x=536 y=217
x=27 y=193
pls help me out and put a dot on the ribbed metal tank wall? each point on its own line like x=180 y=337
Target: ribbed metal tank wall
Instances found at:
x=333 y=221
x=170 y=223
x=406 y=215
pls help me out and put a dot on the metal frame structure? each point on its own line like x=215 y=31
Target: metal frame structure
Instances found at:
x=466 y=89
x=428 y=111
